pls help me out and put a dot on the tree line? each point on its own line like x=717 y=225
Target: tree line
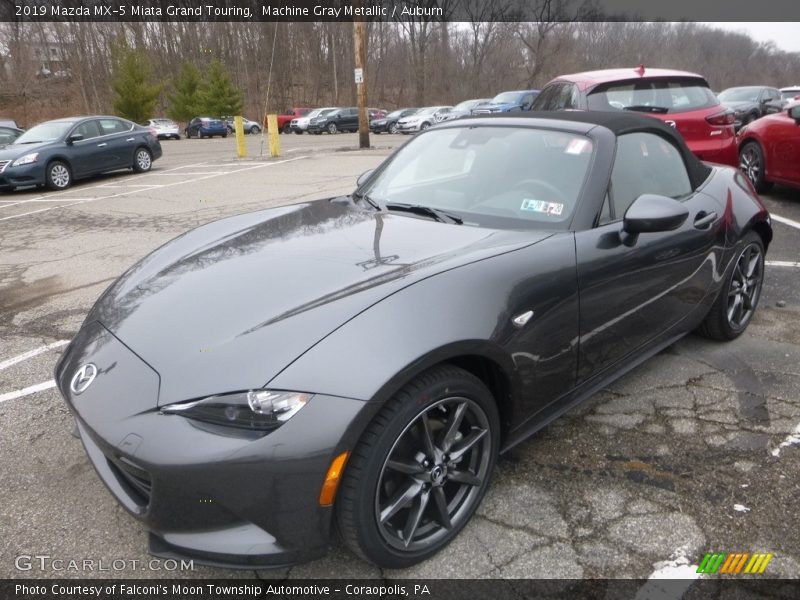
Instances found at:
x=191 y=68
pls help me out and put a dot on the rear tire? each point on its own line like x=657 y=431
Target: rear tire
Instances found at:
x=142 y=160
x=422 y=466
x=58 y=175
x=738 y=298
x=287 y=128
x=751 y=162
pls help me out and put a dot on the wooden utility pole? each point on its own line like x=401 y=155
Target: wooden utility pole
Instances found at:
x=360 y=45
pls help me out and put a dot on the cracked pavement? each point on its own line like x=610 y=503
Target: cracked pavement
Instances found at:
x=696 y=450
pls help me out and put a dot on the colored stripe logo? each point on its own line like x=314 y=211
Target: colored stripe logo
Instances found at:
x=734 y=563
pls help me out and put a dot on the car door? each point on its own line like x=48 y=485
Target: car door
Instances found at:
x=633 y=290
x=86 y=155
x=782 y=148
x=771 y=101
x=118 y=141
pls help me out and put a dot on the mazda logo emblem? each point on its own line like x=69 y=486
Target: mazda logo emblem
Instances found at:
x=83 y=378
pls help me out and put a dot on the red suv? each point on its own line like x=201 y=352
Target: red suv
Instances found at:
x=680 y=99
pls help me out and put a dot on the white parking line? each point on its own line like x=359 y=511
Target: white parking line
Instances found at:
x=136 y=191
x=791 y=439
x=31 y=353
x=782 y=263
x=28 y=390
x=785 y=221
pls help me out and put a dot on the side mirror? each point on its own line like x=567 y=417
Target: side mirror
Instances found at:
x=525 y=106
x=794 y=113
x=652 y=213
x=75 y=137
x=364 y=176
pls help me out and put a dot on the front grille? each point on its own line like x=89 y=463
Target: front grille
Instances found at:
x=4 y=164
x=135 y=479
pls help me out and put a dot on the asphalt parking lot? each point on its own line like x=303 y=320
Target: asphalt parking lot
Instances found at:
x=697 y=450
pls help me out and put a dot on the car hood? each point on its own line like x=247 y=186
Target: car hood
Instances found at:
x=14 y=151
x=227 y=306
x=739 y=106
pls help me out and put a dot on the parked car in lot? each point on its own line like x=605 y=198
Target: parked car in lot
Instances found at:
x=489 y=277
x=422 y=119
x=751 y=102
x=678 y=98
x=286 y=117
x=790 y=93
x=340 y=119
x=9 y=134
x=206 y=127
x=388 y=124
x=248 y=126
x=507 y=102
x=465 y=108
x=300 y=124
x=164 y=128
x=55 y=153
x=376 y=113
x=5 y=122
x=769 y=149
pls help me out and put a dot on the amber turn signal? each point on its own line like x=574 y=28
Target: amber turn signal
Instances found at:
x=332 y=478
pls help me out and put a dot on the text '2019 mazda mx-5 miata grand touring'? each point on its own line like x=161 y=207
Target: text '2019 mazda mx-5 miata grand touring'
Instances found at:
x=357 y=363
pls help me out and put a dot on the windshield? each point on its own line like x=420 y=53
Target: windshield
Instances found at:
x=396 y=114
x=328 y=111
x=46 y=132
x=506 y=177
x=661 y=95
x=743 y=94
x=506 y=98
x=426 y=111
x=466 y=105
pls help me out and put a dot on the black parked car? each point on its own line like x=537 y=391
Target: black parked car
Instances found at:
x=342 y=119
x=356 y=363
x=9 y=134
x=751 y=102
x=55 y=153
x=388 y=123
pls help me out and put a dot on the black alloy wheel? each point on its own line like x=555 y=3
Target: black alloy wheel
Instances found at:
x=737 y=301
x=420 y=470
x=751 y=163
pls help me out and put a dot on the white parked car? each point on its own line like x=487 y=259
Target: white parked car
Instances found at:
x=164 y=128
x=423 y=118
x=300 y=124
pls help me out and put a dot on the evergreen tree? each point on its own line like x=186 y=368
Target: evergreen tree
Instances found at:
x=220 y=97
x=186 y=102
x=132 y=82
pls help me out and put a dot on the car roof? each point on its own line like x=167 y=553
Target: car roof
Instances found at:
x=590 y=79
x=582 y=122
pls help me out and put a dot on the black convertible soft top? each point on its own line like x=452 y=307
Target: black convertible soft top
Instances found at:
x=620 y=123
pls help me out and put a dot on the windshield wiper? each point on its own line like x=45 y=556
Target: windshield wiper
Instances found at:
x=366 y=197
x=33 y=142
x=645 y=108
x=427 y=211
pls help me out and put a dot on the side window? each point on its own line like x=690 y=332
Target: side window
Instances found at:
x=570 y=96
x=108 y=126
x=88 y=130
x=645 y=163
x=546 y=100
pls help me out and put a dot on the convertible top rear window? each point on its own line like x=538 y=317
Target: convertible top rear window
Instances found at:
x=656 y=95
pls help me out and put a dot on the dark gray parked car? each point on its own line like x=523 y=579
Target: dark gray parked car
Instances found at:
x=55 y=153
x=342 y=119
x=356 y=363
x=751 y=102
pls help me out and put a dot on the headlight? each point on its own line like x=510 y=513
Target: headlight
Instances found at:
x=259 y=410
x=26 y=160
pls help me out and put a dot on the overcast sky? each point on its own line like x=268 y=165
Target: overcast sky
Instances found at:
x=785 y=35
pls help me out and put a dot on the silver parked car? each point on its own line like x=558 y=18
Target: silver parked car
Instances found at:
x=164 y=128
x=423 y=118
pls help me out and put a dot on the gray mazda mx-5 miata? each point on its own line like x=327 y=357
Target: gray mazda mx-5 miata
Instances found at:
x=358 y=362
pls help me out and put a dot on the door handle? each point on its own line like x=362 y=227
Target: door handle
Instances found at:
x=704 y=219
x=101 y=145
x=131 y=140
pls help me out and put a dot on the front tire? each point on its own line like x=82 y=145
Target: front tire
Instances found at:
x=751 y=162
x=420 y=470
x=58 y=176
x=738 y=298
x=393 y=128
x=142 y=160
x=332 y=128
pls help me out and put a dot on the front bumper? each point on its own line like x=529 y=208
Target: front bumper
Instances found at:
x=404 y=128
x=215 y=495
x=13 y=177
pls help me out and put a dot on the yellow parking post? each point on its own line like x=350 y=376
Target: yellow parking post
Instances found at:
x=274 y=140
x=241 y=147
